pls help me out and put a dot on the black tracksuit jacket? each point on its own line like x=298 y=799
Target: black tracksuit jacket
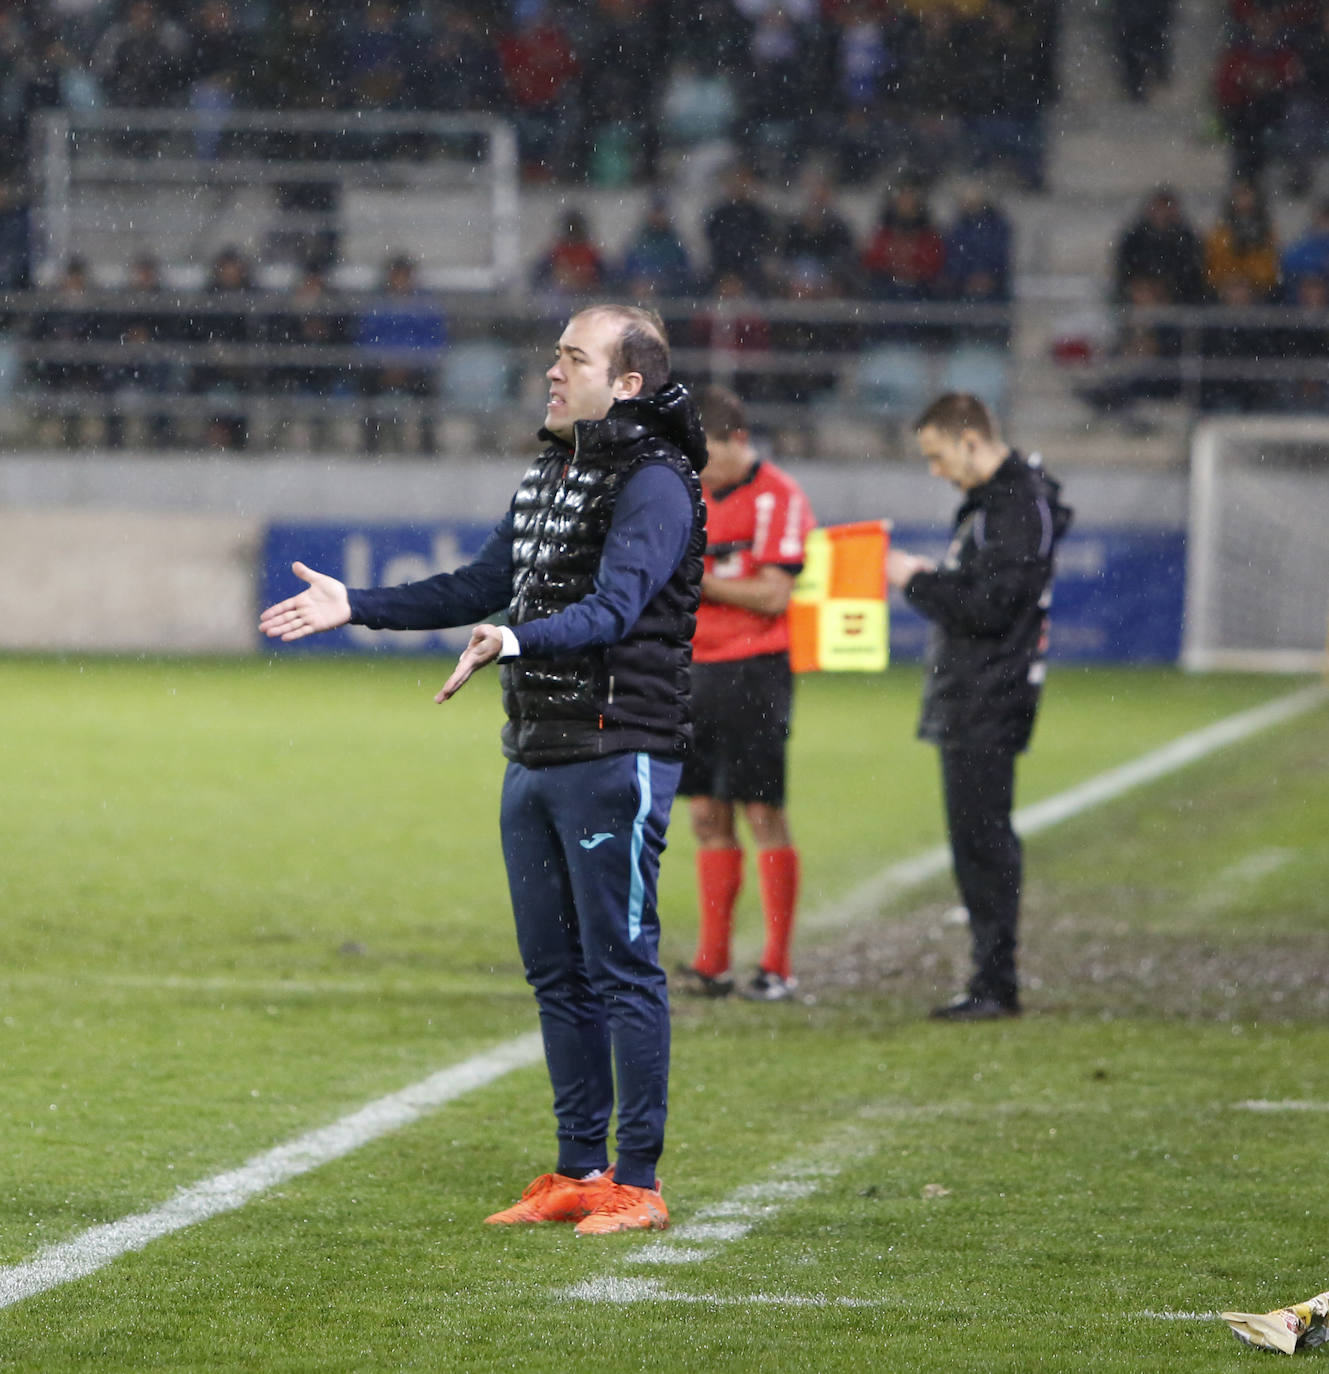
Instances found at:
x=988 y=604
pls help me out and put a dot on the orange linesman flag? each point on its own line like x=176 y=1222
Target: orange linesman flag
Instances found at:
x=838 y=619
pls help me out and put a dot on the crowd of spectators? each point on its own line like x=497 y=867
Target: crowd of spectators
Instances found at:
x=1270 y=83
x=750 y=288
x=755 y=258
x=103 y=357
x=760 y=254
x=1271 y=87
x=1241 y=273
x=751 y=291
x=597 y=89
x=888 y=93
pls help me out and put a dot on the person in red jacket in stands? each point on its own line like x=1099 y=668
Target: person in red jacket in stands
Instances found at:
x=539 y=69
x=1255 y=78
x=906 y=255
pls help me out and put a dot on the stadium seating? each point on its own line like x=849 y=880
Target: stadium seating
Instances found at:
x=477 y=376
x=981 y=369
x=894 y=379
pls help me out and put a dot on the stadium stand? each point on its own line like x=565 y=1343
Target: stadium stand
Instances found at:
x=829 y=216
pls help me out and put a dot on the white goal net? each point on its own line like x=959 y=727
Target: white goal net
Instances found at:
x=1257 y=582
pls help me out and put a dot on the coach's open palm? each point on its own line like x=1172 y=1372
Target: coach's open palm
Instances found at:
x=486 y=643
x=323 y=605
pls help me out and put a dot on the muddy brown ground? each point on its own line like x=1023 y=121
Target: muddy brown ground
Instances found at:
x=1071 y=965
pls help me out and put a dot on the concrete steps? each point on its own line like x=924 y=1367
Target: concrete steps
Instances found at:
x=1106 y=153
x=1133 y=150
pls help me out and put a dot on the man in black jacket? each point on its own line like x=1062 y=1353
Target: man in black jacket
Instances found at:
x=598 y=565
x=988 y=603
x=1161 y=246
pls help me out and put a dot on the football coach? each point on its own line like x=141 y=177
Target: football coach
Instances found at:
x=597 y=564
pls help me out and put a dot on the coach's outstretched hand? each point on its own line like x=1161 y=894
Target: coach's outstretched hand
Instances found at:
x=486 y=642
x=323 y=605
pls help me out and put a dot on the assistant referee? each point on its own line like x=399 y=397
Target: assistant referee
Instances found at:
x=742 y=696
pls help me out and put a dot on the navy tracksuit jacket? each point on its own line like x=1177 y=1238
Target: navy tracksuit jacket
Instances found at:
x=582 y=841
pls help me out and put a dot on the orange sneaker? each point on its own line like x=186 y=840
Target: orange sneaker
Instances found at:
x=555 y=1197
x=627 y=1209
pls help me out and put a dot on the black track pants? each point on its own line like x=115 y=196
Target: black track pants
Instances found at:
x=979 y=788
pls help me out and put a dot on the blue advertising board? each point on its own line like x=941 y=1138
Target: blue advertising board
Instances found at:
x=370 y=555
x=1118 y=598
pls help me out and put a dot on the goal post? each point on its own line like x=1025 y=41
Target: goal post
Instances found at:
x=1257 y=561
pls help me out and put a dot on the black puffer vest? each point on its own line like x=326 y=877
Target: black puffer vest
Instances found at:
x=626 y=697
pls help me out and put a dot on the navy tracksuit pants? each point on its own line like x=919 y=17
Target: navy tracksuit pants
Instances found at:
x=582 y=844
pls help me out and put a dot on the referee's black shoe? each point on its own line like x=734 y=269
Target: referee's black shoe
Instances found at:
x=967 y=1007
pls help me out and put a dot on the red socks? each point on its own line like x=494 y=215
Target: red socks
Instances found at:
x=777 y=871
x=719 y=878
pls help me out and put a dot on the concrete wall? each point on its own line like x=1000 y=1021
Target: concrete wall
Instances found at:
x=127 y=581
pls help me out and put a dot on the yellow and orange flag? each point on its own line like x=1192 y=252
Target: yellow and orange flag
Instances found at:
x=838 y=619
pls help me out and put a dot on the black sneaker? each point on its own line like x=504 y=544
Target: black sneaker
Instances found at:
x=769 y=987
x=692 y=982
x=970 y=1008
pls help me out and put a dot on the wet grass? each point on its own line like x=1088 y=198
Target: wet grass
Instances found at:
x=243 y=899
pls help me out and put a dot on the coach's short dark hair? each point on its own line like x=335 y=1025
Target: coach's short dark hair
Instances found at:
x=722 y=413
x=643 y=345
x=955 y=412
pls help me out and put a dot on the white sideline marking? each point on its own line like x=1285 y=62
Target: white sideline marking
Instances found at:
x=1257 y=865
x=678 y=1254
x=1260 y=1104
x=755 y=1202
x=722 y=1231
x=866 y=899
x=263 y=987
x=1241 y=876
x=626 y=1291
x=93 y=1249
x=99 y=1246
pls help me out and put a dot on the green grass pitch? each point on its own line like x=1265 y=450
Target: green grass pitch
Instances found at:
x=243 y=899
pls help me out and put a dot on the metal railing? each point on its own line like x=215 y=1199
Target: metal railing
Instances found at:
x=1212 y=356
x=181 y=359
x=172 y=362
x=420 y=178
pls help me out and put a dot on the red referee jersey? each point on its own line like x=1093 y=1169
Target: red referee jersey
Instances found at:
x=763 y=520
